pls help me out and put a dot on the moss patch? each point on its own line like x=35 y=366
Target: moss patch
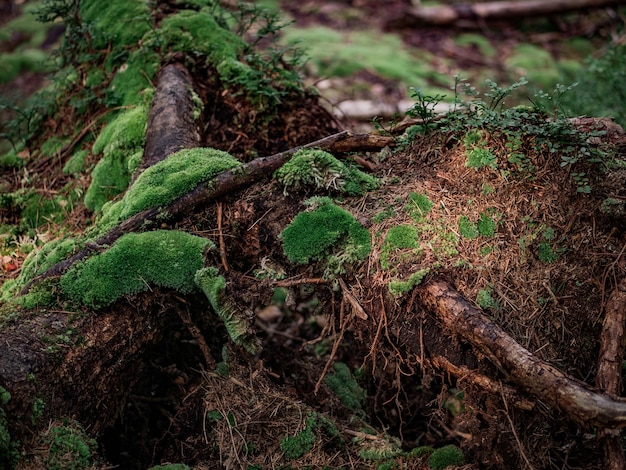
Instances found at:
x=398 y=288
x=345 y=387
x=445 y=456
x=165 y=258
x=213 y=286
x=120 y=140
x=324 y=231
x=118 y=22
x=321 y=170
x=166 y=180
x=69 y=448
x=400 y=237
x=338 y=54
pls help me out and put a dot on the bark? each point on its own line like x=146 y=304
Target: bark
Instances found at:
x=443 y=15
x=171 y=125
x=574 y=398
x=219 y=186
x=609 y=376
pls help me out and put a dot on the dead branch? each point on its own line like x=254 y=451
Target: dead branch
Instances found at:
x=609 y=376
x=223 y=184
x=443 y=15
x=574 y=398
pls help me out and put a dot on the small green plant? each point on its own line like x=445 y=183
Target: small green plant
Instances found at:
x=424 y=109
x=296 y=446
x=486 y=225
x=467 y=228
x=445 y=457
x=8 y=449
x=485 y=300
x=38 y=409
x=69 y=448
x=345 y=387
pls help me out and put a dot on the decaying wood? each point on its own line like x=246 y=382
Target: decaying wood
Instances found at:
x=609 y=376
x=171 y=125
x=442 y=15
x=574 y=398
x=223 y=184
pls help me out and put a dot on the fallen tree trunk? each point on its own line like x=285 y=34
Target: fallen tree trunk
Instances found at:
x=443 y=15
x=221 y=185
x=572 y=397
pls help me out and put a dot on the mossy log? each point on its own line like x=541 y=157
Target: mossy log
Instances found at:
x=171 y=126
x=575 y=399
x=477 y=13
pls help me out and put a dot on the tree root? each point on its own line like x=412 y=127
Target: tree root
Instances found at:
x=574 y=398
x=609 y=376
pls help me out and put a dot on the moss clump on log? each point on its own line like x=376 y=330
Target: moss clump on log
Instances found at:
x=321 y=170
x=166 y=258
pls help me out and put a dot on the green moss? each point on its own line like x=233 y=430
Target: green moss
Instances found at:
x=345 y=387
x=165 y=258
x=398 y=238
x=399 y=288
x=76 y=164
x=8 y=448
x=10 y=160
x=29 y=60
x=321 y=170
x=119 y=23
x=122 y=138
x=69 y=448
x=190 y=31
x=296 y=446
x=213 y=285
x=418 y=206
x=420 y=451
x=486 y=225
x=337 y=54
x=485 y=300
x=133 y=77
x=445 y=457
x=467 y=228
x=168 y=179
x=536 y=64
x=327 y=230
x=476 y=40
x=52 y=146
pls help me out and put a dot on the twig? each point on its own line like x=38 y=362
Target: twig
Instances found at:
x=297 y=282
x=519 y=444
x=184 y=315
x=358 y=310
x=221 y=237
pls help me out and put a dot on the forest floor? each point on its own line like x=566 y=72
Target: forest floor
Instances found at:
x=354 y=371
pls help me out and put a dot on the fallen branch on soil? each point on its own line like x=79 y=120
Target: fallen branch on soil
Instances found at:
x=609 y=376
x=221 y=185
x=552 y=386
x=441 y=15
